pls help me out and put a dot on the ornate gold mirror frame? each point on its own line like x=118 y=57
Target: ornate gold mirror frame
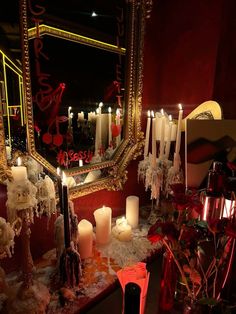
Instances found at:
x=131 y=144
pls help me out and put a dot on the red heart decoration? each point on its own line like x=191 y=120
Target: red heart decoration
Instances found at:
x=57 y=139
x=47 y=138
x=115 y=130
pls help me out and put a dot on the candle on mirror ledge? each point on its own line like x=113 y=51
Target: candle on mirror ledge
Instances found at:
x=65 y=209
x=109 y=126
x=178 y=135
x=19 y=173
x=85 y=238
x=146 y=146
x=162 y=135
x=173 y=132
x=154 y=145
x=158 y=117
x=132 y=210
x=103 y=224
x=168 y=137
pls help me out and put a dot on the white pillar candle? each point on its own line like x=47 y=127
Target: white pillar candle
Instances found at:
x=122 y=231
x=103 y=224
x=158 y=126
x=109 y=126
x=154 y=145
x=8 y=152
x=162 y=135
x=178 y=135
x=19 y=173
x=132 y=210
x=85 y=238
x=173 y=132
x=146 y=146
x=168 y=137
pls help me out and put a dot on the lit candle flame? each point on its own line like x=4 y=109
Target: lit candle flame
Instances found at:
x=152 y=113
x=180 y=107
x=162 y=112
x=100 y=104
x=109 y=109
x=170 y=117
x=97 y=110
x=149 y=113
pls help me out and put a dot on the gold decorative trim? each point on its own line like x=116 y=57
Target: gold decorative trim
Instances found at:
x=133 y=142
x=62 y=34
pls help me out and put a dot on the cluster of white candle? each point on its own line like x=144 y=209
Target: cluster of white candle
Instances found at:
x=103 y=217
x=164 y=130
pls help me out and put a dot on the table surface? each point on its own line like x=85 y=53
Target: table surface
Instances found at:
x=98 y=273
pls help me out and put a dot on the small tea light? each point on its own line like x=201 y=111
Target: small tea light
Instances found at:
x=122 y=231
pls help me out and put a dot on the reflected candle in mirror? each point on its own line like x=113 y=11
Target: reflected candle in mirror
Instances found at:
x=85 y=238
x=81 y=116
x=146 y=146
x=19 y=173
x=103 y=224
x=109 y=127
x=8 y=152
x=132 y=210
x=118 y=138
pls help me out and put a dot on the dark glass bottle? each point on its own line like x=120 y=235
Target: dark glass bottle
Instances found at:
x=214 y=199
x=216 y=180
x=132 y=298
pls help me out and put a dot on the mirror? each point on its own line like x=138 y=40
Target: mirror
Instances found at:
x=12 y=114
x=91 y=63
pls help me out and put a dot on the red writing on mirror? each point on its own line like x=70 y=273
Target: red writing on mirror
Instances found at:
x=65 y=158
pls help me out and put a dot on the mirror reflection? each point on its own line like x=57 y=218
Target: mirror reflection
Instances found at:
x=77 y=101
x=77 y=82
x=11 y=102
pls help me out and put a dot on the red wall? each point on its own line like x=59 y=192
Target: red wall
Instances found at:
x=186 y=45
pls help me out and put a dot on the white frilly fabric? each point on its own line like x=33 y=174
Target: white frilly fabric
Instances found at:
x=21 y=195
x=7 y=235
x=46 y=196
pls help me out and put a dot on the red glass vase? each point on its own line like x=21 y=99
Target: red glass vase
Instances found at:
x=168 y=282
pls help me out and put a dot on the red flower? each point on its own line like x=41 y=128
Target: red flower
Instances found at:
x=178 y=188
x=217 y=225
x=189 y=235
x=153 y=238
x=162 y=229
x=230 y=230
x=231 y=166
